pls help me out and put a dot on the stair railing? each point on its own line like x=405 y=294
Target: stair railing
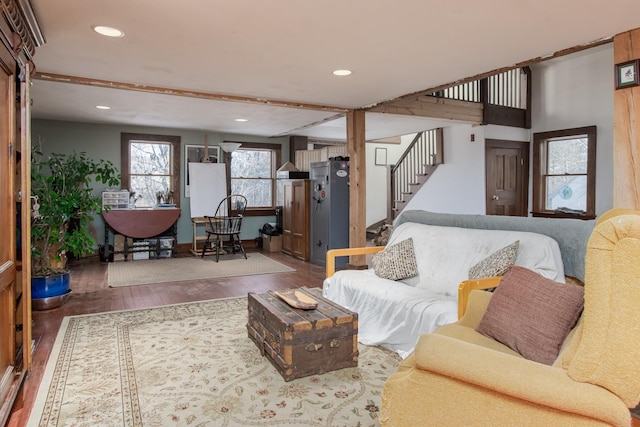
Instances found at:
x=413 y=168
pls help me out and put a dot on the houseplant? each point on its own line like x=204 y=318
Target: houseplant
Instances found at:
x=63 y=205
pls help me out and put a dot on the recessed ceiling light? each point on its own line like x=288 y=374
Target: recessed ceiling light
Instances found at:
x=242 y=120
x=103 y=107
x=108 y=31
x=342 y=72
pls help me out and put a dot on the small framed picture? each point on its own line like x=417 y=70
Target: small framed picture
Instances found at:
x=627 y=74
x=381 y=156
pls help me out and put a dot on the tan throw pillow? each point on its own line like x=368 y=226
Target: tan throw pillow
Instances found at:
x=532 y=314
x=497 y=263
x=396 y=262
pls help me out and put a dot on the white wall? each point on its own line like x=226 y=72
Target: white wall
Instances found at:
x=457 y=186
x=576 y=91
x=572 y=91
x=377 y=177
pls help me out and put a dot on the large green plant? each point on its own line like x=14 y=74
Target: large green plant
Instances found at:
x=62 y=184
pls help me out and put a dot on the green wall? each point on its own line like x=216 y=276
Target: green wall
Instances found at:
x=102 y=141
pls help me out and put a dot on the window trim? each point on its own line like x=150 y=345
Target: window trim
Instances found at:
x=277 y=156
x=125 y=161
x=539 y=167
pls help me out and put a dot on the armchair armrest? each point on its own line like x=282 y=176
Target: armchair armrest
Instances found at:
x=467 y=286
x=471 y=365
x=333 y=253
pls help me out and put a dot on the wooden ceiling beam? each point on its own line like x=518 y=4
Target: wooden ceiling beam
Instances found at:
x=60 y=78
x=432 y=107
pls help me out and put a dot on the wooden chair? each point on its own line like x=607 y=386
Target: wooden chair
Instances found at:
x=225 y=226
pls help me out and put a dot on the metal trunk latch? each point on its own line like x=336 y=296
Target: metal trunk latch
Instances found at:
x=313 y=347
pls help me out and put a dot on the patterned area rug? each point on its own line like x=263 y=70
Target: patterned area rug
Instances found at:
x=165 y=270
x=193 y=365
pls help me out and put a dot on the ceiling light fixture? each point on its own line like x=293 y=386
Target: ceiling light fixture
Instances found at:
x=241 y=120
x=108 y=31
x=341 y=72
x=103 y=107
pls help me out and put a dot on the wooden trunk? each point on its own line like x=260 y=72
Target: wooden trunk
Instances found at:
x=303 y=342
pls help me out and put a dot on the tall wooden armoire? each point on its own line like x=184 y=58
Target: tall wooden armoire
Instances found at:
x=295 y=218
x=19 y=35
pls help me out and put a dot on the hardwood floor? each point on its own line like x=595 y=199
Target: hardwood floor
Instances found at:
x=92 y=295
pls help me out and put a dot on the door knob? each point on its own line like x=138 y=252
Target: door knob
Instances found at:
x=494 y=197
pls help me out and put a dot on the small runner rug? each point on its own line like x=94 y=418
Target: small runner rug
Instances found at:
x=163 y=270
x=193 y=365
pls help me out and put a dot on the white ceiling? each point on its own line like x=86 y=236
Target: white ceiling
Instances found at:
x=286 y=50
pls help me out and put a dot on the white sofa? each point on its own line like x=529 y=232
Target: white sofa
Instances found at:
x=395 y=313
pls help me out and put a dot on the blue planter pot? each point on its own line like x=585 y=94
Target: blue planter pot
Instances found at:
x=49 y=286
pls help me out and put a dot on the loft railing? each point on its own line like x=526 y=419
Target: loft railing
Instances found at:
x=413 y=168
x=465 y=92
x=507 y=89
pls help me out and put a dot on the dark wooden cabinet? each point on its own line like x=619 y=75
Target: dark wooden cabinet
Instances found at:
x=295 y=218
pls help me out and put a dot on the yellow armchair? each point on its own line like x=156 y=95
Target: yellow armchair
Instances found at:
x=457 y=376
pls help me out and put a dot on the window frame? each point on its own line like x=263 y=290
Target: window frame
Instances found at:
x=540 y=142
x=276 y=150
x=125 y=161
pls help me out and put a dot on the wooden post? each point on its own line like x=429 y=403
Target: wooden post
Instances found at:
x=626 y=129
x=357 y=185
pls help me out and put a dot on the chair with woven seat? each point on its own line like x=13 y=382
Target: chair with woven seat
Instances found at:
x=223 y=229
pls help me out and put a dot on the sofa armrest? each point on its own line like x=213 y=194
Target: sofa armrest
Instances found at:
x=467 y=286
x=519 y=378
x=333 y=253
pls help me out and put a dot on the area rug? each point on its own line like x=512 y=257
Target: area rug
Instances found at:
x=193 y=365
x=163 y=270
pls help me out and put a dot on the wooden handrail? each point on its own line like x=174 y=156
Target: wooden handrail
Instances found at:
x=467 y=286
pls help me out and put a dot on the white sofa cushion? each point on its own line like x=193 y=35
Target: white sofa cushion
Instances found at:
x=390 y=313
x=445 y=254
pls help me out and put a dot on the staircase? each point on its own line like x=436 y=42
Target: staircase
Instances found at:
x=415 y=166
x=504 y=100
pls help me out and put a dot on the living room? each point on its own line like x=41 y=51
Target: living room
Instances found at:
x=562 y=97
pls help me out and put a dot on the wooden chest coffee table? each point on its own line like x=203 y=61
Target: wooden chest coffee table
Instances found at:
x=303 y=342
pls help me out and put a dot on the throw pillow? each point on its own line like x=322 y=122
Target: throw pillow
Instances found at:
x=396 y=262
x=497 y=263
x=532 y=314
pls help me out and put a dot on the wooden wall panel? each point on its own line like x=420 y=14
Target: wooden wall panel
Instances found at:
x=626 y=134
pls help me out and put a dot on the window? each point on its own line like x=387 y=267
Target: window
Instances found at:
x=253 y=171
x=564 y=172
x=151 y=168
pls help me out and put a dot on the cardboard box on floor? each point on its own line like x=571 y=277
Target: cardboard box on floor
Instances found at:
x=271 y=243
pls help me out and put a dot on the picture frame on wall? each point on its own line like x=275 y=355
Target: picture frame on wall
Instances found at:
x=381 y=156
x=195 y=153
x=627 y=74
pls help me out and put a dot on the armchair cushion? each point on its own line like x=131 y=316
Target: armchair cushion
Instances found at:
x=396 y=262
x=532 y=314
x=499 y=383
x=497 y=263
